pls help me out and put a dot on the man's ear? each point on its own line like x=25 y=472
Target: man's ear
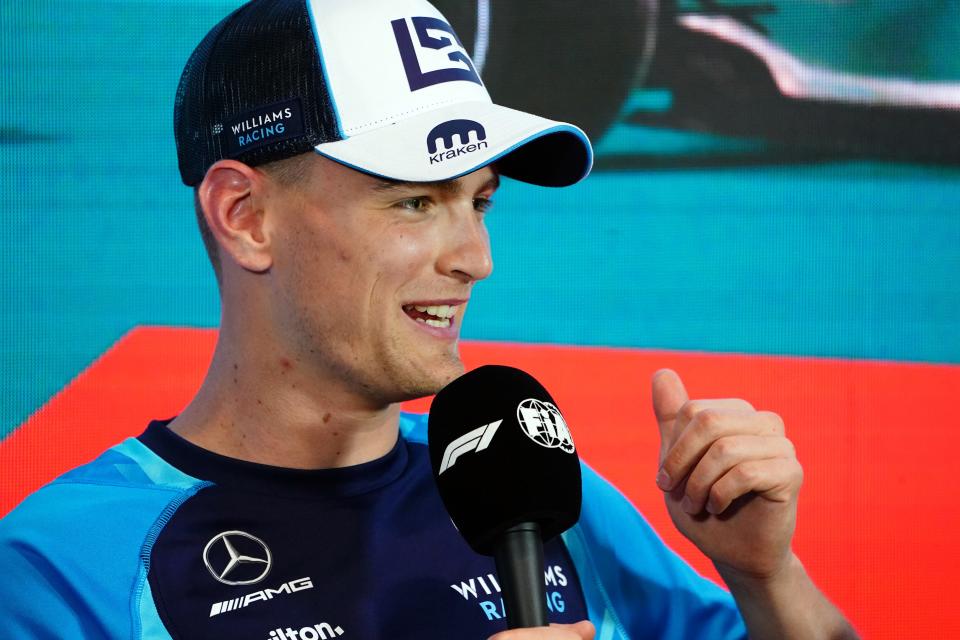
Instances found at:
x=231 y=195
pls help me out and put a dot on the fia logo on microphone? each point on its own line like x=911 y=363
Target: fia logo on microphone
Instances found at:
x=543 y=424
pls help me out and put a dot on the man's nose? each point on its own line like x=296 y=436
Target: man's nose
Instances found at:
x=466 y=254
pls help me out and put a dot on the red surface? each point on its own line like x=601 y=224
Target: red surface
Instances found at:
x=878 y=510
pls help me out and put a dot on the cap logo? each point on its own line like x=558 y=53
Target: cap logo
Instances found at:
x=543 y=424
x=445 y=132
x=261 y=126
x=440 y=41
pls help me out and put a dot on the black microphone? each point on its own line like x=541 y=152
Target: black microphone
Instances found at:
x=509 y=475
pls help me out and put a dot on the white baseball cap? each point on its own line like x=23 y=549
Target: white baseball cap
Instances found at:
x=382 y=86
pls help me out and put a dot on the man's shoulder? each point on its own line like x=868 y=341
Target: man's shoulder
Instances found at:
x=122 y=491
x=132 y=465
x=76 y=551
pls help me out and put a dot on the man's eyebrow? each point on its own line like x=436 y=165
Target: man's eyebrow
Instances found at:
x=452 y=187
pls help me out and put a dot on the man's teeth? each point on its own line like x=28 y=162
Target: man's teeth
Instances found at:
x=440 y=311
x=440 y=314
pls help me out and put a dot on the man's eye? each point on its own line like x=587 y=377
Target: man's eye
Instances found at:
x=414 y=204
x=482 y=204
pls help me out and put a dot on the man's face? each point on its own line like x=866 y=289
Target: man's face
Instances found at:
x=370 y=279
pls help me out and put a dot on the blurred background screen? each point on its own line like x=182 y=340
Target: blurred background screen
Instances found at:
x=773 y=213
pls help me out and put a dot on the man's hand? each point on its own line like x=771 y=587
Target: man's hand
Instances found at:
x=580 y=631
x=730 y=477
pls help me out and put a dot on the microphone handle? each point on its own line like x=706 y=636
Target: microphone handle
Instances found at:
x=519 y=558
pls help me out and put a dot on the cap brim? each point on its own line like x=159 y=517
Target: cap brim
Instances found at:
x=524 y=146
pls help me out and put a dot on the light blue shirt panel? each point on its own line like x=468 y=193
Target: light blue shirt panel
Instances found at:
x=75 y=554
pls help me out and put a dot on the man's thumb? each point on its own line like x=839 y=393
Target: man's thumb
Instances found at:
x=668 y=396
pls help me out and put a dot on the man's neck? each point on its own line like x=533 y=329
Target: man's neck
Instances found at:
x=278 y=414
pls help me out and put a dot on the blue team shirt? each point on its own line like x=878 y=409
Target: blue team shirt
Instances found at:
x=160 y=539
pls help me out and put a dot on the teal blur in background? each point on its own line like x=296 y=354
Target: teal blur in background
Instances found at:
x=852 y=259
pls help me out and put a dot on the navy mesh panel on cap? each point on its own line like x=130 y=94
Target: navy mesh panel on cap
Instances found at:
x=253 y=90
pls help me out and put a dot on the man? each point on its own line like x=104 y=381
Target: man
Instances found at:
x=344 y=153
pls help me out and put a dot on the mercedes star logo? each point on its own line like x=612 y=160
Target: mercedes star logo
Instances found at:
x=231 y=562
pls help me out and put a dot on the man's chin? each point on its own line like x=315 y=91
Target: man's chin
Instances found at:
x=433 y=380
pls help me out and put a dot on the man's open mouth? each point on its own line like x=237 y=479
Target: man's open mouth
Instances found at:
x=439 y=316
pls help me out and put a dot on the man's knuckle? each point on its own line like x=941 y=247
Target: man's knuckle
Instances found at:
x=790 y=448
x=674 y=460
x=695 y=488
x=689 y=410
x=746 y=473
x=717 y=495
x=708 y=422
x=798 y=472
x=774 y=420
x=725 y=448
